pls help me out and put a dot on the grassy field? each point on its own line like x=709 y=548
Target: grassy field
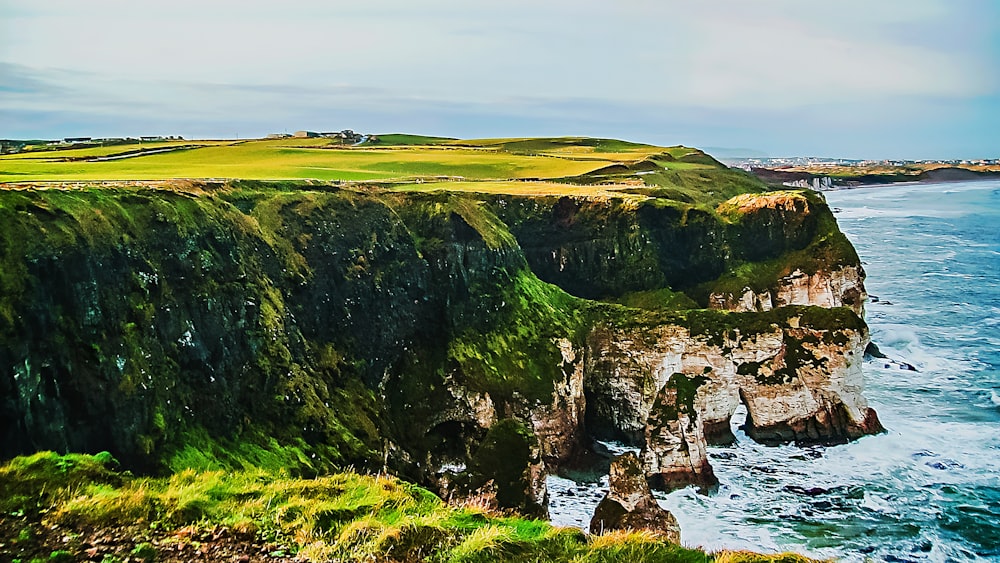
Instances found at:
x=292 y=159
x=403 y=139
x=520 y=188
x=573 y=166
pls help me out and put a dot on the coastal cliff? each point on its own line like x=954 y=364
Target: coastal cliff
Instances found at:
x=471 y=343
x=671 y=383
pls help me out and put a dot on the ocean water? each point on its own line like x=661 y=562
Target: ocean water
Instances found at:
x=928 y=489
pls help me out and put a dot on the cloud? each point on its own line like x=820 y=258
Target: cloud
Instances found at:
x=729 y=52
x=794 y=64
x=719 y=72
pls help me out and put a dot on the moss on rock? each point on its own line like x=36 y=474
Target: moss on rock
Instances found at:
x=507 y=457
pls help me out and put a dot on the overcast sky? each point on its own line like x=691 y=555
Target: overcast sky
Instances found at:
x=852 y=78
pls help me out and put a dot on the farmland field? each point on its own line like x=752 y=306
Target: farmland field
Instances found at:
x=289 y=159
x=554 y=166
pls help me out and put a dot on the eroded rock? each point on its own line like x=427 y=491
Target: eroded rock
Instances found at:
x=798 y=374
x=675 y=453
x=506 y=471
x=629 y=504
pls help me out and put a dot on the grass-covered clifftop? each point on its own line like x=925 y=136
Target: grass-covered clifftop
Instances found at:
x=420 y=309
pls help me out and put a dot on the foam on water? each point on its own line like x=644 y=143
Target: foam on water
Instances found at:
x=928 y=489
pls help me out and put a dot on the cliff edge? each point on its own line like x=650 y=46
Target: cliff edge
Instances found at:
x=470 y=342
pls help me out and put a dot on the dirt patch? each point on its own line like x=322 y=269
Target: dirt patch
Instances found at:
x=22 y=539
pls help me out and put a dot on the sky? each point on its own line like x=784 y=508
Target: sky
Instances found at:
x=847 y=78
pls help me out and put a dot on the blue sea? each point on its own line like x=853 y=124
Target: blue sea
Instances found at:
x=928 y=489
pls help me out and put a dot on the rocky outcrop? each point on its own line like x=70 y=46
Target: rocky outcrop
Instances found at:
x=840 y=288
x=818 y=265
x=505 y=471
x=674 y=453
x=672 y=385
x=559 y=425
x=843 y=287
x=629 y=504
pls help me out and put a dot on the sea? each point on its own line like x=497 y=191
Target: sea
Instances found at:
x=929 y=488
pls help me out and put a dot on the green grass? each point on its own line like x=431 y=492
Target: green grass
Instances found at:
x=697 y=184
x=516 y=353
x=305 y=158
x=577 y=166
x=540 y=188
x=403 y=139
x=656 y=299
x=345 y=516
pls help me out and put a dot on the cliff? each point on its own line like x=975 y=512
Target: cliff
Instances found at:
x=471 y=343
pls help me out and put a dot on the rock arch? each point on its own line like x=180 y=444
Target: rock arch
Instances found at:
x=800 y=382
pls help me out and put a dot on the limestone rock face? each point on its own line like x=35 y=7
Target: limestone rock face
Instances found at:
x=840 y=288
x=843 y=287
x=629 y=504
x=559 y=425
x=673 y=392
x=819 y=266
x=675 y=448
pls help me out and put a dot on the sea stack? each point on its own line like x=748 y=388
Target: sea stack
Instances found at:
x=629 y=504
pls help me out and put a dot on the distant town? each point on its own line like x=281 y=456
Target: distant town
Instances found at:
x=833 y=173
x=816 y=162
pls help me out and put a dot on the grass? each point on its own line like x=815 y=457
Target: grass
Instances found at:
x=403 y=139
x=343 y=516
x=56 y=153
x=516 y=352
x=298 y=159
x=420 y=163
x=571 y=166
x=539 y=188
x=657 y=299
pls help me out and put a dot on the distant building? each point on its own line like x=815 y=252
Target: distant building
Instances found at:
x=305 y=134
x=278 y=136
x=151 y=138
x=345 y=136
x=76 y=139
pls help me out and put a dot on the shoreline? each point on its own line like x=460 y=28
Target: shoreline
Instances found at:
x=775 y=177
x=913 y=183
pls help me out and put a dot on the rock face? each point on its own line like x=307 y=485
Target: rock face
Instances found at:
x=257 y=323
x=822 y=268
x=840 y=288
x=672 y=389
x=629 y=504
